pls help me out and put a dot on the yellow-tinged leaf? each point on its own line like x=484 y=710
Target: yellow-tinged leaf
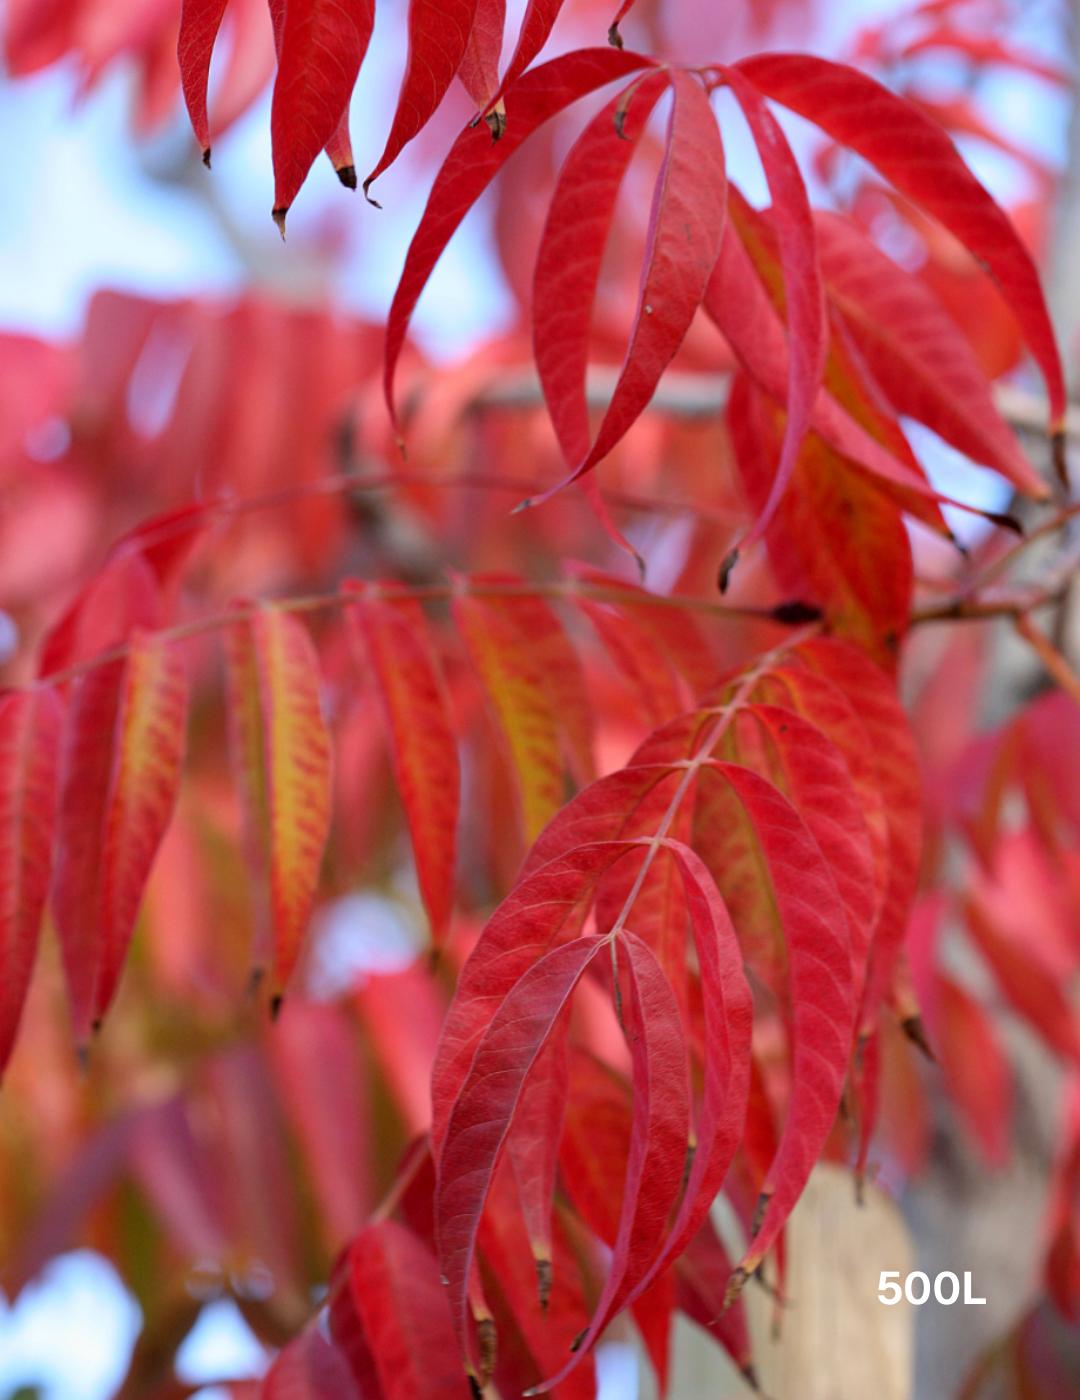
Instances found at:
x=147 y=760
x=298 y=771
x=520 y=704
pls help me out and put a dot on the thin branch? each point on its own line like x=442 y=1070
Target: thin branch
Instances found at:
x=1048 y=654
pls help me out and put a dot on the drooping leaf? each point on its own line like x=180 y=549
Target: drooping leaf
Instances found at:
x=516 y=695
x=571 y=252
x=874 y=697
x=558 y=668
x=686 y=225
x=142 y=793
x=322 y=46
x=475 y=160
x=200 y=21
x=916 y=352
x=389 y=1317
x=439 y=33
x=121 y=763
x=917 y=156
x=537 y=915
x=702 y=1272
x=479 y=70
x=792 y=926
x=834 y=538
x=423 y=746
x=309 y=1368
x=285 y=765
x=804 y=294
x=30 y=731
x=659 y=1133
x=482 y=1111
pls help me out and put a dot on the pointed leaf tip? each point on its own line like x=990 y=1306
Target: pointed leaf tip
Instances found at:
x=729 y=562
x=206 y=157
x=368 y=197
x=278 y=216
x=347 y=175
x=614 y=38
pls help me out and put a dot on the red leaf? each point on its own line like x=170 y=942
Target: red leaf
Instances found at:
x=479 y=71
x=639 y=657
x=480 y=1118
x=685 y=228
x=122 y=595
x=558 y=669
x=30 y=731
x=536 y=915
x=659 y=1134
x=423 y=747
x=121 y=769
x=974 y=1067
x=817 y=955
x=322 y=45
x=388 y=1314
x=652 y=1314
x=572 y=250
x=438 y=35
x=536 y=25
x=808 y=334
x=533 y=1148
x=475 y=160
x=309 y=1368
x=899 y=782
x=200 y=21
x=143 y=786
x=283 y=755
x=918 y=157
x=701 y=1278
x=1027 y=984
x=502 y=660
x=916 y=352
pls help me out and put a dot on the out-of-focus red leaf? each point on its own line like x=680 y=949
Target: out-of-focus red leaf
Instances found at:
x=403 y=1014
x=973 y=1065
x=142 y=793
x=916 y=352
x=322 y=45
x=1025 y=982
x=515 y=692
x=423 y=746
x=327 y=1110
x=558 y=668
x=165 y=1158
x=120 y=773
x=122 y=595
x=653 y=1315
x=388 y=1314
x=533 y=1148
x=475 y=160
x=640 y=658
x=439 y=33
x=30 y=732
x=284 y=760
x=309 y=1368
x=702 y=1272
x=917 y=156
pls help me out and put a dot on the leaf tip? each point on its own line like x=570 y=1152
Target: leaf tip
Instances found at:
x=488 y=1343
x=275 y=1005
x=750 y=1376
x=614 y=38
x=368 y=197
x=475 y=1387
x=496 y=121
x=522 y=505
x=795 y=613
x=206 y=157
x=347 y=175
x=729 y=561
x=735 y=1285
x=278 y=216
x=913 y=1028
